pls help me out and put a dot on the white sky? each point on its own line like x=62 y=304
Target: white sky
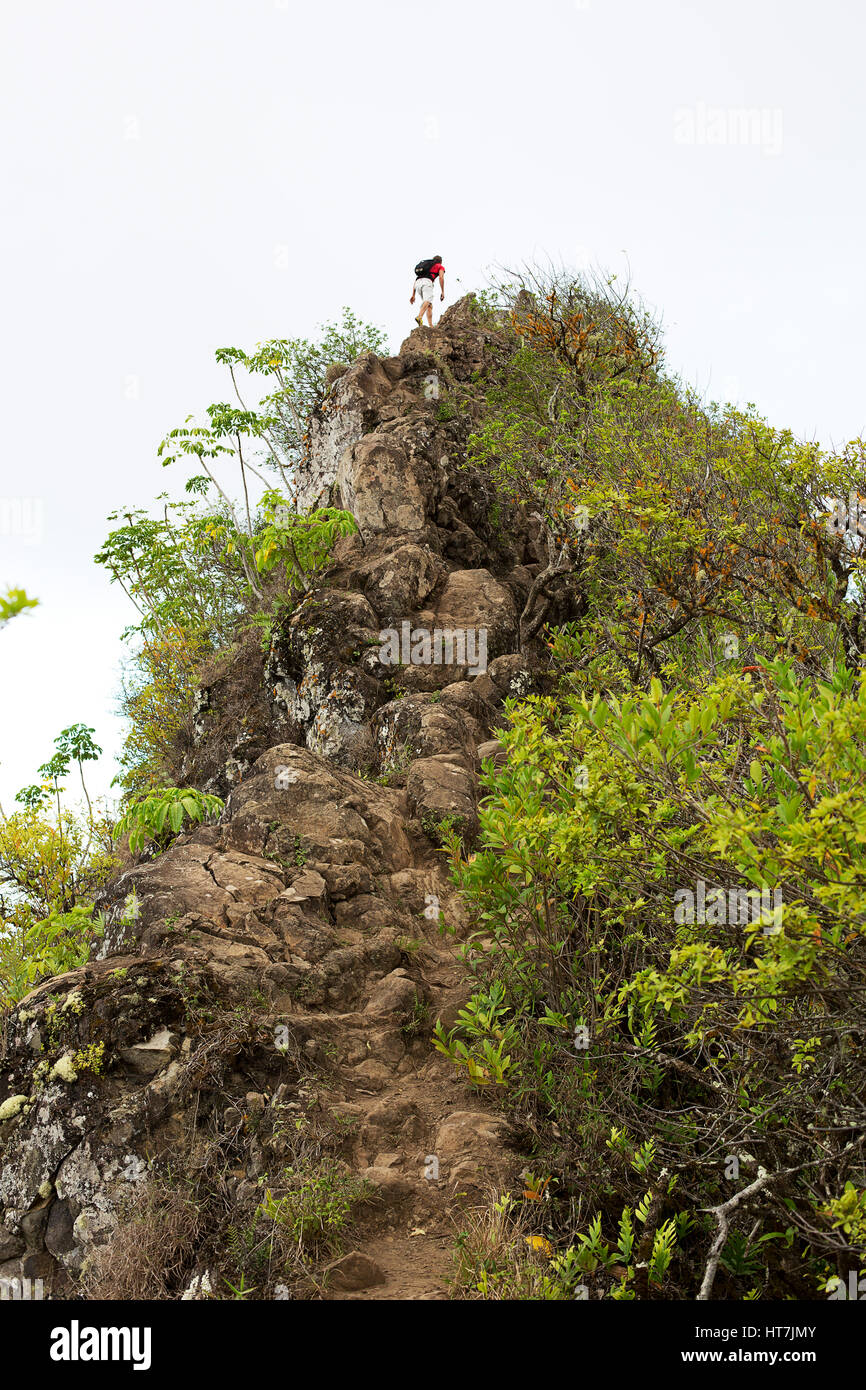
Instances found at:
x=158 y=159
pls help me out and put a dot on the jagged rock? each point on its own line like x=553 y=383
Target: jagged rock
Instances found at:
x=492 y=749
x=388 y=1115
x=413 y=728
x=399 y=583
x=192 y=878
x=477 y=697
x=316 y=675
x=308 y=886
x=372 y=1074
x=59 y=1236
x=511 y=676
x=389 y=1186
x=388 y=1160
x=333 y=372
x=33 y=1225
x=347 y=880
x=328 y=815
x=349 y=409
x=10 y=1246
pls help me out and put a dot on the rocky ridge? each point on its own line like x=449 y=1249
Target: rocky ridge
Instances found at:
x=289 y=961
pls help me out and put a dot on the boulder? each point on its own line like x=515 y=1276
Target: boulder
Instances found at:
x=473 y=599
x=150 y=1057
x=354 y=397
x=397 y=993
x=379 y=484
x=398 y=584
x=441 y=789
x=317 y=676
x=416 y=728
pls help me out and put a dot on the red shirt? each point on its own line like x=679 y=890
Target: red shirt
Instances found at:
x=435 y=269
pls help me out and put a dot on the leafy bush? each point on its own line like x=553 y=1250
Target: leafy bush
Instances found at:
x=312 y=1207
x=50 y=872
x=724 y=1032
x=160 y=814
x=668 y=517
x=34 y=950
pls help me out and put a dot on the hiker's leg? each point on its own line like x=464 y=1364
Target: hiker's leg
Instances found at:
x=419 y=293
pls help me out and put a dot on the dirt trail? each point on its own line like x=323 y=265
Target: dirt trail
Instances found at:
x=428 y=1144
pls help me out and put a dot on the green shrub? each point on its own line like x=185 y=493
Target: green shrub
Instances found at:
x=667 y=887
x=161 y=813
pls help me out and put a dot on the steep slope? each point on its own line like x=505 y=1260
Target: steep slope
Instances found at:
x=265 y=991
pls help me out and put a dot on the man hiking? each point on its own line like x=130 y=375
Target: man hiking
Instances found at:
x=426 y=275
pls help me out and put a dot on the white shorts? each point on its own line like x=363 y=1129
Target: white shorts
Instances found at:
x=424 y=287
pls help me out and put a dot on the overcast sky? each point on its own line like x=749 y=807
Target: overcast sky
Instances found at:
x=188 y=174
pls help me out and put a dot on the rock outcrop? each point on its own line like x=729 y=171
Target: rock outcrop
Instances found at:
x=289 y=962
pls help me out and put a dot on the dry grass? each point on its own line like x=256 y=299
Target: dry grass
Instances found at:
x=500 y=1257
x=157 y=1237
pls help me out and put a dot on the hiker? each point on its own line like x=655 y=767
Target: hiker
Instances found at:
x=426 y=275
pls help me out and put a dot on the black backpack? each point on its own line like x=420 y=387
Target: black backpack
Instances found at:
x=422 y=270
